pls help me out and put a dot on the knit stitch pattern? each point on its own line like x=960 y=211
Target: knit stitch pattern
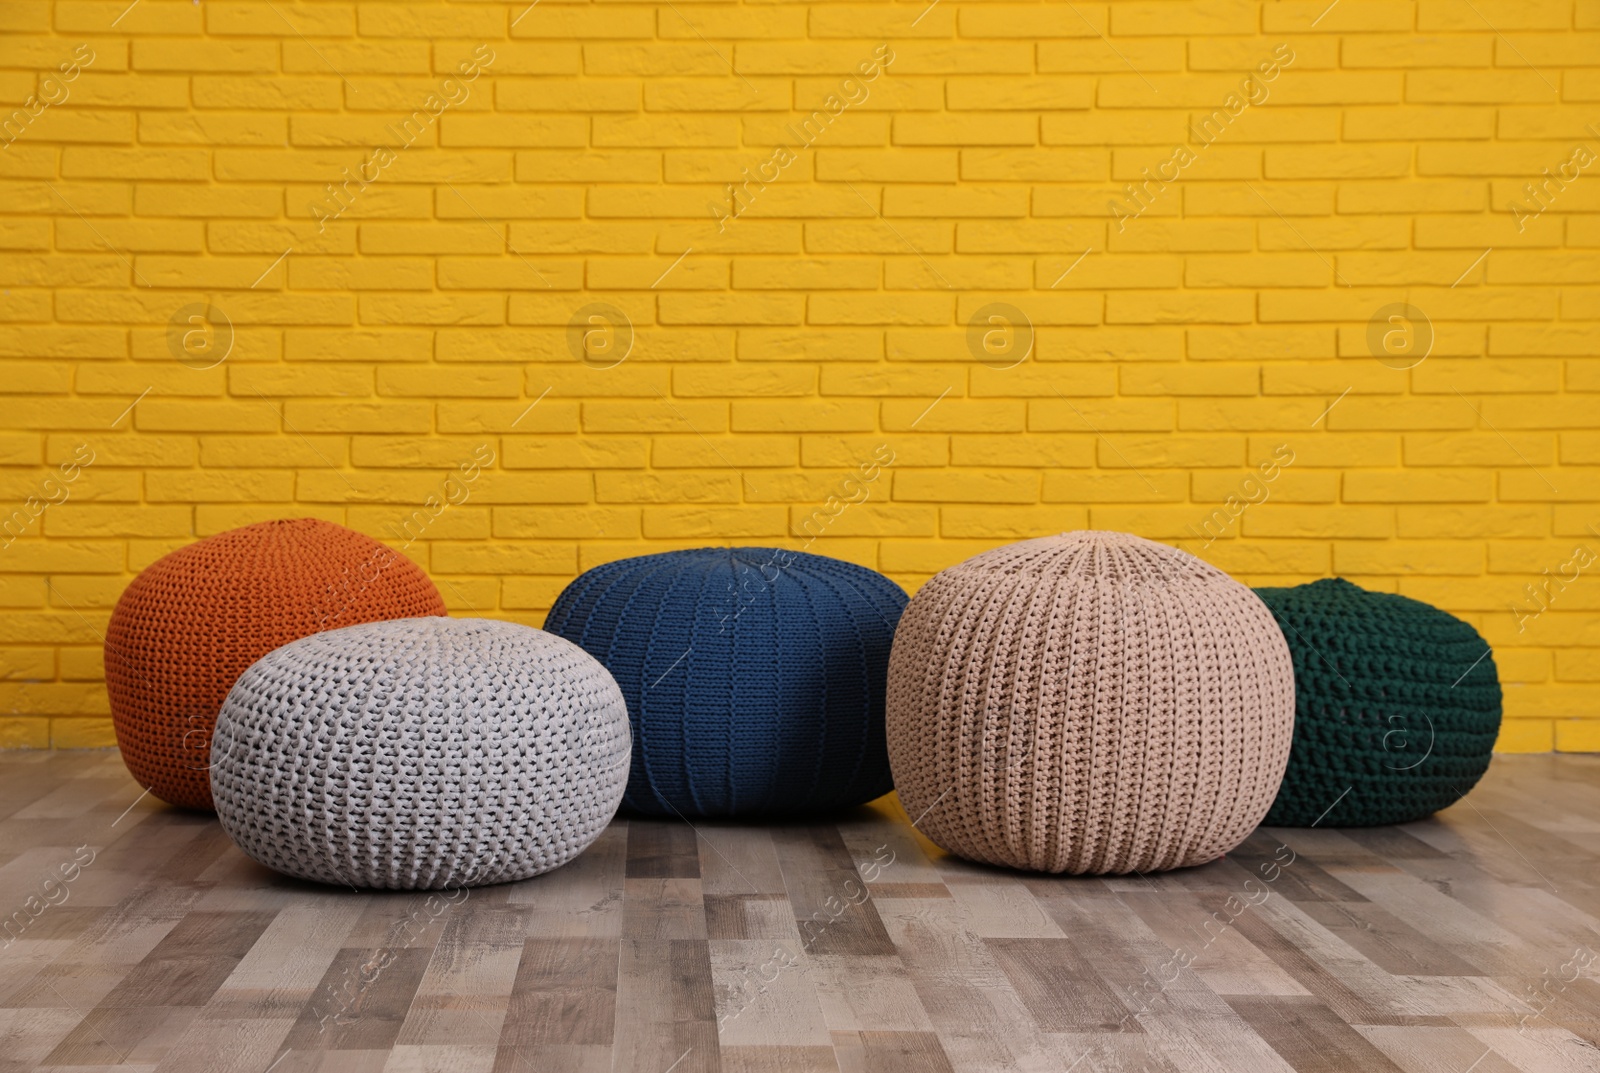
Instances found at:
x=187 y=626
x=420 y=754
x=1088 y=703
x=754 y=676
x=1397 y=706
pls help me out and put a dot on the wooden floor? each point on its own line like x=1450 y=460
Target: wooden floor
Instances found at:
x=1466 y=942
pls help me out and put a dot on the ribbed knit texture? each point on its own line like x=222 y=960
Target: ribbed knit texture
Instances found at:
x=420 y=754
x=1397 y=706
x=193 y=620
x=754 y=676
x=1088 y=703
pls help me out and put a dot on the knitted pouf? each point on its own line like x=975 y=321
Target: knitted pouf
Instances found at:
x=1397 y=705
x=1088 y=703
x=754 y=676
x=193 y=620
x=419 y=754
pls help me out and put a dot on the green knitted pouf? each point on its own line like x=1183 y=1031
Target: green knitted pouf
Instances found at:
x=1397 y=705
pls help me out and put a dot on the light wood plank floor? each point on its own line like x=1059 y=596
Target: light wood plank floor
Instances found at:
x=1467 y=942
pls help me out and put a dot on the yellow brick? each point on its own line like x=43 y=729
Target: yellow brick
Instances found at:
x=1172 y=351
x=809 y=274
x=1340 y=233
x=830 y=309
x=531 y=592
x=1221 y=17
x=1386 y=414
x=479 y=557
x=1434 y=196
x=1006 y=522
x=313 y=344
x=1127 y=486
x=953 y=415
x=978 y=128
x=851 y=451
x=714 y=523
x=1480 y=449
x=96 y=520
x=82 y=734
x=1418 y=486
x=1298 y=485
x=579 y=453
x=1268 y=557
x=874 y=165
x=1577 y=736
x=259 y=19
x=37 y=377
x=155 y=54
x=408 y=528
x=367 y=57
x=542 y=523
x=1534 y=556
x=247 y=451
x=745 y=451
x=1563 y=702
x=673 y=416
x=1033 y=380
x=763 y=381
x=1238 y=199
x=834 y=415
x=513 y=131
x=1178 y=380
x=231 y=486
x=511 y=273
x=1468 y=522
x=944 y=486
x=849 y=237
x=870 y=518
x=496 y=417
x=1179 y=308
x=28 y=732
x=1284 y=520
x=1412 y=557
x=1525 y=736
x=677 y=487
x=1063 y=415
x=309 y=416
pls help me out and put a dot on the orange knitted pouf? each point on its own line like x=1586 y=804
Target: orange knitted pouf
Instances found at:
x=194 y=620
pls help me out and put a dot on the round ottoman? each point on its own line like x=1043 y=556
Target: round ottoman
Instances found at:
x=420 y=754
x=754 y=676
x=1397 y=706
x=194 y=619
x=1088 y=703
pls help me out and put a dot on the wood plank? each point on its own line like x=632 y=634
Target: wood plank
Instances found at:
x=1311 y=1037
x=1417 y=946
x=565 y=992
x=658 y=849
x=581 y=898
x=832 y=908
x=1057 y=984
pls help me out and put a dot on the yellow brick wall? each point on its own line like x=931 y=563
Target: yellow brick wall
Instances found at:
x=1196 y=216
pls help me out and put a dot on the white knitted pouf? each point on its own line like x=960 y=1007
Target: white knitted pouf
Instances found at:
x=420 y=753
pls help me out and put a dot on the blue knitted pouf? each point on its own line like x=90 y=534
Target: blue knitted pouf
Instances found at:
x=754 y=677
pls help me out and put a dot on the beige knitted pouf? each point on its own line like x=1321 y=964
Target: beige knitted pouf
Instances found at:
x=1088 y=703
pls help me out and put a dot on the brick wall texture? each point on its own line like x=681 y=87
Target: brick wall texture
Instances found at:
x=1305 y=288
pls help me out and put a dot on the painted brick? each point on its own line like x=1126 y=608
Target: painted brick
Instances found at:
x=991 y=160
